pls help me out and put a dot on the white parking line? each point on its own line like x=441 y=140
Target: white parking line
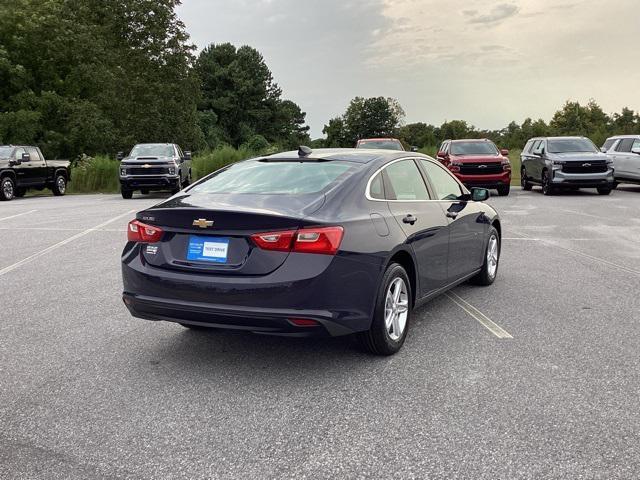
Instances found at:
x=582 y=254
x=10 y=268
x=485 y=321
x=18 y=215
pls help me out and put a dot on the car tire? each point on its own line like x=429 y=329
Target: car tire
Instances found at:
x=503 y=190
x=392 y=314
x=59 y=187
x=489 y=271
x=177 y=188
x=187 y=181
x=547 y=187
x=127 y=194
x=7 y=189
x=20 y=192
x=524 y=181
x=604 y=190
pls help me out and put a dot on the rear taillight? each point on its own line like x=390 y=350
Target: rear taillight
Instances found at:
x=143 y=233
x=322 y=240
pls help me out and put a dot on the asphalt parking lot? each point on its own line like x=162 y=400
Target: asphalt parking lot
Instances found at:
x=86 y=391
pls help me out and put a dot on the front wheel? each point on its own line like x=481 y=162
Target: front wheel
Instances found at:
x=59 y=185
x=126 y=194
x=177 y=188
x=604 y=190
x=7 y=189
x=547 y=188
x=524 y=181
x=392 y=314
x=503 y=190
x=487 y=275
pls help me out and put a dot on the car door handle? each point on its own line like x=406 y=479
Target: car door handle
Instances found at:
x=452 y=214
x=410 y=219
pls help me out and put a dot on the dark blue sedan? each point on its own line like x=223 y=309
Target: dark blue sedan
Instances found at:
x=324 y=242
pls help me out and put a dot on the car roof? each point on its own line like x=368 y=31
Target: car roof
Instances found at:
x=357 y=155
x=618 y=137
x=557 y=138
x=478 y=140
x=378 y=139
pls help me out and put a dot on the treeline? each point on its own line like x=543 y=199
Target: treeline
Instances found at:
x=97 y=76
x=382 y=117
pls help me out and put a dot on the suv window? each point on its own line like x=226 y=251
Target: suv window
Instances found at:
x=608 y=144
x=538 y=146
x=33 y=153
x=447 y=188
x=636 y=145
x=625 y=145
x=527 y=147
x=405 y=182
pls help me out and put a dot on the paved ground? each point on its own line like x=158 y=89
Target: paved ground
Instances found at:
x=86 y=391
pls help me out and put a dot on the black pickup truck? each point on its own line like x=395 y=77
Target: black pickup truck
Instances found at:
x=23 y=167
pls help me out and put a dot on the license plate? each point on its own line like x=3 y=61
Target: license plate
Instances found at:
x=208 y=249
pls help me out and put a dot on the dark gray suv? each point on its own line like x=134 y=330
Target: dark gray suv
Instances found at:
x=565 y=162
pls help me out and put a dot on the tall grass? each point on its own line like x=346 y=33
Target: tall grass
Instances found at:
x=207 y=162
x=95 y=175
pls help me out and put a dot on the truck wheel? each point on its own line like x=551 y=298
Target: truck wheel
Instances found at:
x=187 y=182
x=524 y=181
x=547 y=188
x=177 y=188
x=604 y=190
x=7 y=189
x=20 y=192
x=59 y=185
x=503 y=190
x=126 y=194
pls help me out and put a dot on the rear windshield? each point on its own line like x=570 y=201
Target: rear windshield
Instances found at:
x=291 y=178
x=570 y=145
x=151 y=150
x=5 y=152
x=473 y=148
x=381 y=145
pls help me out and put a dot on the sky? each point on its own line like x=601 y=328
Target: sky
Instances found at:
x=487 y=62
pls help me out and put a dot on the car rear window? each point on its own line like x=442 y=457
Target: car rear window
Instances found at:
x=277 y=177
x=381 y=144
x=570 y=145
x=473 y=148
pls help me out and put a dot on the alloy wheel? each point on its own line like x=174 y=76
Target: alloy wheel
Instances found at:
x=396 y=309
x=7 y=189
x=492 y=256
x=62 y=185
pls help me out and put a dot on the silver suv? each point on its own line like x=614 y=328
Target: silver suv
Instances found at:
x=624 y=150
x=565 y=162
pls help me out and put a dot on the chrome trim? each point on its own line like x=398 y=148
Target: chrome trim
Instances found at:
x=426 y=157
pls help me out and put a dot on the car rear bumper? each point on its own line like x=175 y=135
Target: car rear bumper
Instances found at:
x=133 y=183
x=585 y=180
x=337 y=292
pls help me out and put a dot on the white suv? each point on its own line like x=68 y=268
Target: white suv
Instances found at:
x=624 y=150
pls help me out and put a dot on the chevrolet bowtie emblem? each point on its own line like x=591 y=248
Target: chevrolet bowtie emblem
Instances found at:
x=203 y=223
x=146 y=165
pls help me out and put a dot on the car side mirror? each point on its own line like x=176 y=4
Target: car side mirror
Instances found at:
x=479 y=194
x=603 y=150
x=442 y=155
x=414 y=148
x=504 y=152
x=120 y=156
x=187 y=155
x=25 y=157
x=14 y=162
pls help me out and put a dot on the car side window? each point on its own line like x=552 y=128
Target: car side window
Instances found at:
x=608 y=144
x=625 y=145
x=33 y=153
x=538 y=147
x=636 y=145
x=18 y=153
x=376 y=189
x=446 y=187
x=405 y=182
x=527 y=147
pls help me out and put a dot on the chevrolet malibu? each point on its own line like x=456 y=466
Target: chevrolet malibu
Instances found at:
x=326 y=242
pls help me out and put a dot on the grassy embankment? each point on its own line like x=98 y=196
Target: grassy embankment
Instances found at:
x=100 y=174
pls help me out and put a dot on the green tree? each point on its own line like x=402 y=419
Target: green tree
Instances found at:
x=418 y=134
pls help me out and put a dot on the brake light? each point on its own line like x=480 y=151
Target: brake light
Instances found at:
x=143 y=233
x=277 y=241
x=321 y=240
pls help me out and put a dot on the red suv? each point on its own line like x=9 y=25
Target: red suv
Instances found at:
x=477 y=163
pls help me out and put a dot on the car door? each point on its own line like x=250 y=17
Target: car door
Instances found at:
x=622 y=158
x=538 y=160
x=24 y=173
x=529 y=160
x=633 y=165
x=467 y=222
x=38 y=166
x=422 y=221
